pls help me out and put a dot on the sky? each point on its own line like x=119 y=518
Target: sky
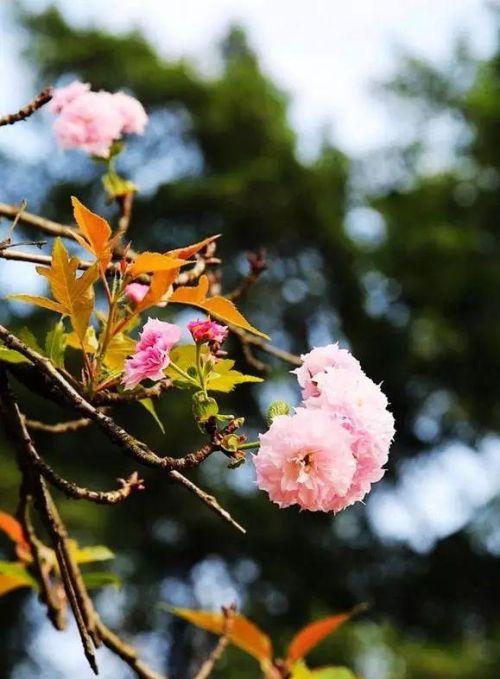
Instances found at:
x=325 y=53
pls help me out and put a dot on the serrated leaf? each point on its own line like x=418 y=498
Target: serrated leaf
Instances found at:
x=149 y=405
x=55 y=344
x=12 y=356
x=217 y=306
x=119 y=348
x=38 y=301
x=244 y=633
x=151 y=262
x=98 y=579
x=74 y=296
x=96 y=233
x=311 y=635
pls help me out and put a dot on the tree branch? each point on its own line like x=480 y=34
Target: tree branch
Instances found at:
x=26 y=111
x=206 y=669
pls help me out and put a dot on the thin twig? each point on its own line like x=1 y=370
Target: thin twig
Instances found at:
x=26 y=111
x=207 y=668
x=125 y=203
x=258 y=264
x=248 y=339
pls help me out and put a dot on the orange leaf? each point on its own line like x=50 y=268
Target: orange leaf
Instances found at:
x=150 y=262
x=13 y=529
x=160 y=285
x=310 y=635
x=217 y=306
x=96 y=231
x=10 y=582
x=243 y=634
x=190 y=250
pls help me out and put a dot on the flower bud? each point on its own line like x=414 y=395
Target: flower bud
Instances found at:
x=204 y=407
x=277 y=408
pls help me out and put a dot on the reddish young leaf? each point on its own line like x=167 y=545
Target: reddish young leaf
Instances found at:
x=96 y=232
x=217 y=306
x=244 y=633
x=310 y=635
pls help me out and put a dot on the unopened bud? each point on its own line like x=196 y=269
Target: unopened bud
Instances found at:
x=277 y=408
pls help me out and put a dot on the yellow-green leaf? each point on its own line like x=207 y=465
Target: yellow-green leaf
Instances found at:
x=90 y=342
x=149 y=405
x=38 y=301
x=218 y=307
x=244 y=633
x=224 y=378
x=8 y=583
x=90 y=554
x=75 y=296
x=12 y=356
x=119 y=348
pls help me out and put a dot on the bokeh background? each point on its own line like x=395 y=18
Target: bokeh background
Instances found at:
x=360 y=144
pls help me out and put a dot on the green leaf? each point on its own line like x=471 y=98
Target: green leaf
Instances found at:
x=185 y=358
x=11 y=356
x=16 y=570
x=150 y=407
x=55 y=344
x=101 y=579
x=301 y=671
x=29 y=338
x=90 y=554
x=224 y=378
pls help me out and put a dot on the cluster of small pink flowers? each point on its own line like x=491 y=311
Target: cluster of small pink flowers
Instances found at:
x=208 y=331
x=151 y=355
x=327 y=454
x=92 y=121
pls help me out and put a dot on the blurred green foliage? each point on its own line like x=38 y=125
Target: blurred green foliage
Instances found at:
x=417 y=300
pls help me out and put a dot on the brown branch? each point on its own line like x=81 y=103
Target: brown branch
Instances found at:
x=248 y=339
x=59 y=427
x=258 y=264
x=126 y=652
x=207 y=668
x=128 y=444
x=125 y=203
x=26 y=111
x=45 y=225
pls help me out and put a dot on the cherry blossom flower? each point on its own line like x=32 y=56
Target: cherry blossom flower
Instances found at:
x=152 y=353
x=92 y=121
x=208 y=331
x=318 y=360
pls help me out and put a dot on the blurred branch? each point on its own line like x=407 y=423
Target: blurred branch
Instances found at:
x=125 y=203
x=40 y=100
x=258 y=264
x=206 y=669
x=247 y=341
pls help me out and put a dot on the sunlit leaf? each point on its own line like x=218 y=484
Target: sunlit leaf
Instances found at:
x=150 y=262
x=15 y=569
x=55 y=344
x=12 y=356
x=74 y=296
x=161 y=282
x=90 y=342
x=8 y=583
x=217 y=306
x=101 y=579
x=301 y=671
x=38 y=301
x=224 y=378
x=149 y=405
x=119 y=348
x=190 y=250
x=244 y=634
x=96 y=233
x=90 y=554
x=311 y=635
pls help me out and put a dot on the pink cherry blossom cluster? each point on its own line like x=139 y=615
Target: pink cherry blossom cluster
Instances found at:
x=92 y=121
x=326 y=455
x=152 y=352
